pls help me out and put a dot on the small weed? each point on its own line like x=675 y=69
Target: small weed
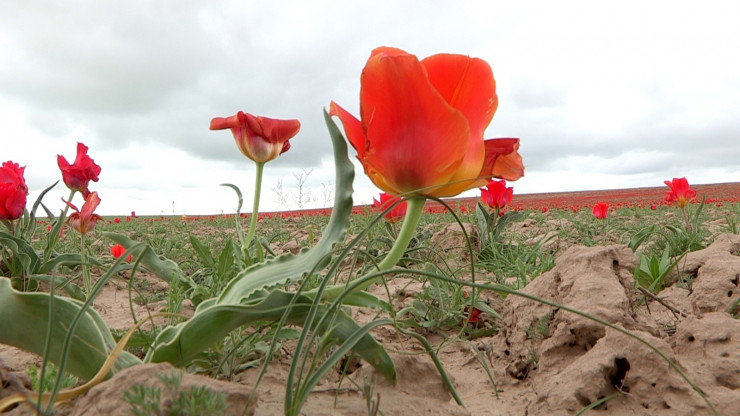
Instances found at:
x=197 y=400
x=653 y=270
x=540 y=327
x=50 y=378
x=532 y=358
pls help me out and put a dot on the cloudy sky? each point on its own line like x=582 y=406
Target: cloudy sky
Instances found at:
x=603 y=96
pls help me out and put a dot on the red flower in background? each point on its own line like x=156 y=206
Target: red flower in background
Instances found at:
x=84 y=221
x=118 y=250
x=680 y=192
x=600 y=210
x=422 y=124
x=259 y=138
x=496 y=195
x=13 y=191
x=386 y=200
x=78 y=175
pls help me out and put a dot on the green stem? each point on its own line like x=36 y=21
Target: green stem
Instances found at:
x=413 y=214
x=686 y=218
x=55 y=235
x=255 y=208
x=408 y=228
x=85 y=269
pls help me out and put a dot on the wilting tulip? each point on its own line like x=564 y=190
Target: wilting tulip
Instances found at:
x=679 y=192
x=600 y=210
x=78 y=175
x=386 y=200
x=259 y=138
x=85 y=220
x=496 y=195
x=13 y=191
x=422 y=125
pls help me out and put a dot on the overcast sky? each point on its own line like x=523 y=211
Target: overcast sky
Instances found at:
x=618 y=95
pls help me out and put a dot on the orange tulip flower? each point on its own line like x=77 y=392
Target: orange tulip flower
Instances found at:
x=259 y=138
x=422 y=125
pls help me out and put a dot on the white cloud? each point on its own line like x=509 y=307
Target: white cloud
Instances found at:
x=602 y=95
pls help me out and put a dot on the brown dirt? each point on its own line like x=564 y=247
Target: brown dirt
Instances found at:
x=569 y=363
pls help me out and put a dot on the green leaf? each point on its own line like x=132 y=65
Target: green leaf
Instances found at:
x=161 y=266
x=22 y=251
x=640 y=237
x=203 y=252
x=25 y=315
x=226 y=260
x=179 y=345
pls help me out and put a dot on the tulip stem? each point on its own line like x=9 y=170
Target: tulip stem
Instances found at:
x=85 y=268
x=686 y=218
x=410 y=222
x=255 y=208
x=413 y=214
x=54 y=238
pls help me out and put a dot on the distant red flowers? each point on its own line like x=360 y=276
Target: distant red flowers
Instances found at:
x=118 y=250
x=679 y=192
x=601 y=209
x=13 y=191
x=386 y=200
x=259 y=138
x=78 y=175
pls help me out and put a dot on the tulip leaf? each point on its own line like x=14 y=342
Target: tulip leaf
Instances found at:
x=161 y=266
x=22 y=251
x=91 y=341
x=212 y=322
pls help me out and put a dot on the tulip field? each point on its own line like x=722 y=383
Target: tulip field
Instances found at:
x=616 y=301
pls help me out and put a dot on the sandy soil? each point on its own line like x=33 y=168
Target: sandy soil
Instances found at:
x=566 y=365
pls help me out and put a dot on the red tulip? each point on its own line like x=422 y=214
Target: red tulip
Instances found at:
x=422 y=124
x=118 y=250
x=78 y=175
x=386 y=200
x=84 y=221
x=600 y=210
x=13 y=191
x=497 y=196
x=259 y=138
x=680 y=192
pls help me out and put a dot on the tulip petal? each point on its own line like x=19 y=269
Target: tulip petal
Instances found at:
x=414 y=138
x=352 y=127
x=273 y=130
x=223 y=123
x=503 y=160
x=467 y=84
